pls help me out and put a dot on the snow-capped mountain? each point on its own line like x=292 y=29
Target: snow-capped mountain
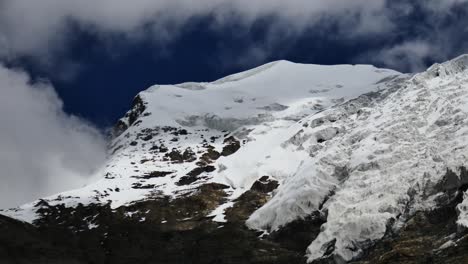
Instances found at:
x=352 y=151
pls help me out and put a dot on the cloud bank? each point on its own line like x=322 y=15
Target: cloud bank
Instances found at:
x=42 y=150
x=41 y=28
x=38 y=27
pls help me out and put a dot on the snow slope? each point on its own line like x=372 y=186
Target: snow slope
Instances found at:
x=258 y=106
x=363 y=147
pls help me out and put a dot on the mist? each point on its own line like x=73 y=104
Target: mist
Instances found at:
x=42 y=149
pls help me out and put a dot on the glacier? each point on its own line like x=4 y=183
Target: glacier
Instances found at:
x=362 y=148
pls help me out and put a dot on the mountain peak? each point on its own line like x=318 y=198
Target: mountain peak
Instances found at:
x=349 y=153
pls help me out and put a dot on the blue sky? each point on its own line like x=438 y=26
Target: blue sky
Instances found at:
x=97 y=65
x=69 y=69
x=103 y=86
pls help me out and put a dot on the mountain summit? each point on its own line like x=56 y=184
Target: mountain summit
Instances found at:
x=282 y=163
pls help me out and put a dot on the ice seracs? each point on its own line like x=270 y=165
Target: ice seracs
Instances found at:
x=395 y=154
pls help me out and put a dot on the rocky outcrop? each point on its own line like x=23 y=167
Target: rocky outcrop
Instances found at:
x=161 y=230
x=165 y=230
x=23 y=243
x=138 y=107
x=427 y=237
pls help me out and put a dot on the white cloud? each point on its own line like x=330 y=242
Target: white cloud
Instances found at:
x=439 y=35
x=43 y=150
x=408 y=56
x=32 y=27
x=443 y=6
x=40 y=28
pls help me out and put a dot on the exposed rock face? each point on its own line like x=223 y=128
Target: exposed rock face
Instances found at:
x=231 y=146
x=431 y=236
x=179 y=231
x=154 y=231
x=138 y=107
x=251 y=200
x=427 y=237
x=23 y=243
